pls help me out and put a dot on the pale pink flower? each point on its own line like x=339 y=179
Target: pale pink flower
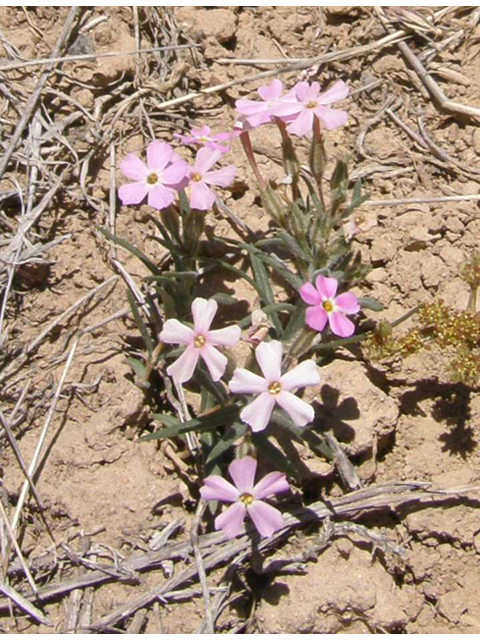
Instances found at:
x=255 y=112
x=327 y=307
x=246 y=498
x=311 y=102
x=200 y=342
x=358 y=222
x=159 y=179
x=275 y=388
x=204 y=137
x=201 y=177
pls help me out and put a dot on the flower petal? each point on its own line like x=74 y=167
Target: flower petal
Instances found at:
x=316 y=318
x=133 y=193
x=161 y=197
x=216 y=362
x=327 y=287
x=306 y=91
x=134 y=168
x=299 y=411
x=182 y=369
x=231 y=520
x=202 y=197
x=341 y=325
x=174 y=332
x=269 y=357
x=227 y=337
x=175 y=173
x=205 y=159
x=221 y=177
x=250 y=107
x=217 y=488
x=245 y=381
x=347 y=303
x=303 y=124
x=274 y=482
x=272 y=91
x=309 y=294
x=305 y=374
x=286 y=108
x=331 y=118
x=242 y=472
x=257 y=414
x=338 y=91
x=266 y=518
x=203 y=312
x=159 y=154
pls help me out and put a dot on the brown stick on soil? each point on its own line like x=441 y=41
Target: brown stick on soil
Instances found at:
x=33 y=101
x=217 y=549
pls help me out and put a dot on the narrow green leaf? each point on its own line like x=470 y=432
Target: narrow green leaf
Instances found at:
x=221 y=417
x=370 y=303
x=133 y=250
x=171 y=276
x=265 y=287
x=277 y=457
x=224 y=298
x=167 y=420
x=232 y=434
x=139 y=369
x=140 y=324
x=296 y=323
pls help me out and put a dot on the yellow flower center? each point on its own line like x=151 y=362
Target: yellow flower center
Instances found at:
x=274 y=388
x=246 y=499
x=152 y=178
x=311 y=105
x=196 y=177
x=199 y=341
x=328 y=306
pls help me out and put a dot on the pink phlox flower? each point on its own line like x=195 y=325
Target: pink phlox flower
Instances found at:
x=204 y=137
x=328 y=307
x=159 y=180
x=275 y=388
x=246 y=498
x=201 y=177
x=257 y=112
x=311 y=102
x=200 y=342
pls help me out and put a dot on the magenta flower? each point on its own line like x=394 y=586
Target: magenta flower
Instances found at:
x=159 y=179
x=328 y=307
x=202 y=197
x=204 y=138
x=246 y=498
x=311 y=102
x=255 y=112
x=275 y=388
x=200 y=342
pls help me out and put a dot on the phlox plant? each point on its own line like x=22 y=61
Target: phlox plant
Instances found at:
x=254 y=377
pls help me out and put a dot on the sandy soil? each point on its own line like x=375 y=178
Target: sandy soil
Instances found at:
x=106 y=492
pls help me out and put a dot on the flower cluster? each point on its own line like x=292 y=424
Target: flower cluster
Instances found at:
x=165 y=174
x=297 y=107
x=271 y=385
x=274 y=388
